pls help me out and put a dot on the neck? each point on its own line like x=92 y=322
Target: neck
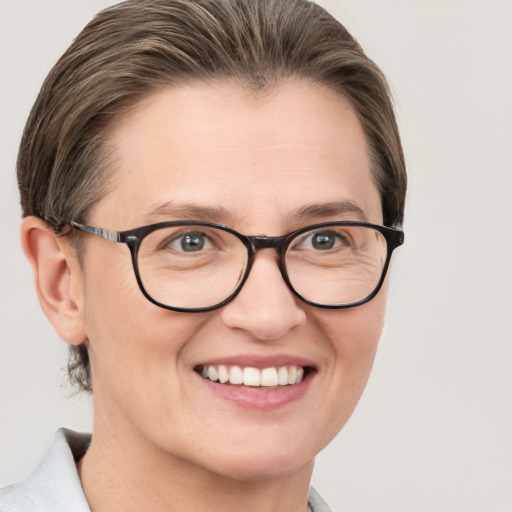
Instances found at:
x=126 y=474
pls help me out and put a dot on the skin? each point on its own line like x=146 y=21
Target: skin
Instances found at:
x=162 y=440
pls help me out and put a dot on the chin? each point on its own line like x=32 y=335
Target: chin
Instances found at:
x=269 y=459
x=258 y=469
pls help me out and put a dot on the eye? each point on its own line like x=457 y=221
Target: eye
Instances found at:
x=192 y=241
x=322 y=241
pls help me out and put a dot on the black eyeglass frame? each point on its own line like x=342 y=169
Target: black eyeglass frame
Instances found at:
x=133 y=238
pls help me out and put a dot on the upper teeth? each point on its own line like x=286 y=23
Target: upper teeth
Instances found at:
x=248 y=376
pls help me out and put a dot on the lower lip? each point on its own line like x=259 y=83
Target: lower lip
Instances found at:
x=259 y=398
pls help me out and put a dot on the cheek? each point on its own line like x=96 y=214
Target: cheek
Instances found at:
x=128 y=335
x=366 y=334
x=138 y=363
x=353 y=336
x=354 y=333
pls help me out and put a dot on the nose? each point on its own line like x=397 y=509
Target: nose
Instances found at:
x=265 y=307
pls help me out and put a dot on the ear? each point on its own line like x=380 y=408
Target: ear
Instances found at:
x=58 y=278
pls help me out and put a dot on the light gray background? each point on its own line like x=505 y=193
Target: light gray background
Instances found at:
x=433 y=431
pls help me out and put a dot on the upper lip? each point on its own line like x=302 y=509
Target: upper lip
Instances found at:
x=258 y=361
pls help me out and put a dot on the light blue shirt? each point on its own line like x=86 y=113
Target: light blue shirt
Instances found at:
x=54 y=484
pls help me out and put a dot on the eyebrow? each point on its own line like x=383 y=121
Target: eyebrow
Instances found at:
x=221 y=215
x=190 y=211
x=331 y=209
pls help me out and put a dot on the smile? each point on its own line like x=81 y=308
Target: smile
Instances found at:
x=270 y=377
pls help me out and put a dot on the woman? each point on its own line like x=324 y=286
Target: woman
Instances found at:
x=211 y=194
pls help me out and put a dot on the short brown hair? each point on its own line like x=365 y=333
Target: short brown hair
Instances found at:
x=134 y=48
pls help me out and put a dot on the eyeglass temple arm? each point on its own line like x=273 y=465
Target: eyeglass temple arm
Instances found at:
x=107 y=234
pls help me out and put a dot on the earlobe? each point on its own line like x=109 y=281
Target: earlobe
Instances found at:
x=58 y=278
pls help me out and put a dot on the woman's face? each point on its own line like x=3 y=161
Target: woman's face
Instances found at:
x=255 y=163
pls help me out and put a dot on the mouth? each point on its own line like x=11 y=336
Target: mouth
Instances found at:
x=272 y=377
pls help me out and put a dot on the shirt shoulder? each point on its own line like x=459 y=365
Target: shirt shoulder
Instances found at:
x=54 y=484
x=316 y=503
x=12 y=499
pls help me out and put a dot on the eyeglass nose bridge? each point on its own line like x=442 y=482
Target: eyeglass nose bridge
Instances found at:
x=259 y=242
x=279 y=244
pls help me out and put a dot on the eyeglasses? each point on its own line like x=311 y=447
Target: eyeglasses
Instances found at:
x=194 y=266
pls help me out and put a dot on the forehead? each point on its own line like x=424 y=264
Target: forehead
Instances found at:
x=218 y=145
